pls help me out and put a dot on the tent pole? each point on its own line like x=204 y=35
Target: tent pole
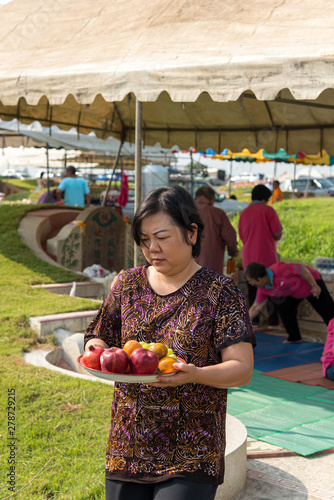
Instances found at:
x=138 y=154
x=48 y=172
x=112 y=174
x=229 y=182
x=294 y=174
x=191 y=172
x=275 y=165
x=65 y=161
x=308 y=180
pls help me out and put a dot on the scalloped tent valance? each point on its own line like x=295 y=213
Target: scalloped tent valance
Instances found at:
x=210 y=73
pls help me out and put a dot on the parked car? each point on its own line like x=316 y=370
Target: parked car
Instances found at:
x=107 y=176
x=12 y=173
x=313 y=186
x=90 y=177
x=247 y=177
x=330 y=178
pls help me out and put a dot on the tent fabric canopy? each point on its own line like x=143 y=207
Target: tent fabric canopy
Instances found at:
x=72 y=139
x=322 y=158
x=216 y=73
x=244 y=155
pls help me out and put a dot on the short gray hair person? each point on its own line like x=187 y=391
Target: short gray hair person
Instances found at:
x=205 y=191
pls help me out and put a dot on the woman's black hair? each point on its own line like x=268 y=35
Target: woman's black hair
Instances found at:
x=179 y=205
x=260 y=193
x=254 y=270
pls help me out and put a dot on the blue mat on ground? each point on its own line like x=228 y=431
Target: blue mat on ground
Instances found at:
x=271 y=354
x=290 y=415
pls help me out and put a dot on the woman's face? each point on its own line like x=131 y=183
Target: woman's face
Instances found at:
x=163 y=244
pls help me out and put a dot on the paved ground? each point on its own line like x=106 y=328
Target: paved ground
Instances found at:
x=279 y=474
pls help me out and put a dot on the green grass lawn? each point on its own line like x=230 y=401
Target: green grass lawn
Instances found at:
x=62 y=423
x=59 y=420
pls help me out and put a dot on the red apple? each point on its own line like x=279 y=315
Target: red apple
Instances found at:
x=143 y=362
x=91 y=357
x=114 y=360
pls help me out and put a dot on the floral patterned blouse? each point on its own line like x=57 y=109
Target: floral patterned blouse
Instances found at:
x=160 y=433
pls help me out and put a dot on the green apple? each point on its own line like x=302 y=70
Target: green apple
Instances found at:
x=172 y=356
x=169 y=352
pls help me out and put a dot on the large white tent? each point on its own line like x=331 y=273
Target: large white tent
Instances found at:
x=72 y=139
x=209 y=73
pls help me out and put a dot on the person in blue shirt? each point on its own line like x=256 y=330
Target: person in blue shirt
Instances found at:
x=75 y=189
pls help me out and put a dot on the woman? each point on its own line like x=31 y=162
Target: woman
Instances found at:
x=41 y=182
x=167 y=439
x=290 y=283
x=328 y=354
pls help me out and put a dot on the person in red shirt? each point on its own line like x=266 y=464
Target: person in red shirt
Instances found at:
x=291 y=283
x=259 y=230
x=217 y=234
x=328 y=354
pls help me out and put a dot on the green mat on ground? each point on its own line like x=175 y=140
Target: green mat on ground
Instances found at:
x=290 y=415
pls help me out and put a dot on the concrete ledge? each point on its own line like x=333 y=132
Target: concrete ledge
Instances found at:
x=235 y=460
x=82 y=289
x=74 y=322
x=28 y=230
x=73 y=347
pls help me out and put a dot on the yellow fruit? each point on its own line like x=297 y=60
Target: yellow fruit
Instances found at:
x=159 y=349
x=130 y=346
x=166 y=365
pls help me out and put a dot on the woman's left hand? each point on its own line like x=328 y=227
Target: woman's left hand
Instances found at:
x=316 y=290
x=186 y=374
x=234 y=370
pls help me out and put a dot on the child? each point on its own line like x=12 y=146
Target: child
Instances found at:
x=328 y=354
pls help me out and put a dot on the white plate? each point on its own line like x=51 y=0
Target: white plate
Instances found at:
x=121 y=377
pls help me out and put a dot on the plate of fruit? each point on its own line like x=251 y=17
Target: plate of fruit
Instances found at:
x=137 y=362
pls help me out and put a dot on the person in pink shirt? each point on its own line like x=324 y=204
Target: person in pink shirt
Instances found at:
x=328 y=355
x=218 y=232
x=259 y=230
x=291 y=283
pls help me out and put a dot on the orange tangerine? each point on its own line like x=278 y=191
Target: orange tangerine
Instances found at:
x=159 y=349
x=130 y=346
x=166 y=365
